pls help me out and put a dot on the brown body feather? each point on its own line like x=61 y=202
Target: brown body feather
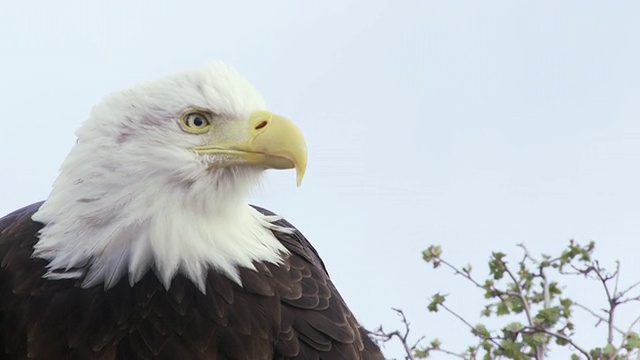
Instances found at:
x=291 y=311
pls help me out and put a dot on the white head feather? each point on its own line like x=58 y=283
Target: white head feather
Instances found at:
x=131 y=197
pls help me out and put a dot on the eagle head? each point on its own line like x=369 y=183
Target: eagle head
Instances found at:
x=158 y=181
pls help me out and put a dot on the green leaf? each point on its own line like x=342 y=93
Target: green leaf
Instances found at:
x=528 y=279
x=471 y=350
x=497 y=265
x=487 y=346
x=554 y=289
x=537 y=297
x=583 y=253
x=516 y=305
x=608 y=350
x=467 y=269
x=514 y=326
x=436 y=300
x=435 y=343
x=587 y=251
x=512 y=349
x=566 y=307
x=432 y=252
x=549 y=316
x=421 y=353
x=540 y=338
x=502 y=308
x=488 y=289
x=481 y=331
x=498 y=255
x=562 y=341
x=633 y=341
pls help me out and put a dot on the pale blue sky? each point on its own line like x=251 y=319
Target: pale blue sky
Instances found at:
x=475 y=125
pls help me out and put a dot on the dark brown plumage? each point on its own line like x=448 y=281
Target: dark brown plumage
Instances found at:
x=292 y=311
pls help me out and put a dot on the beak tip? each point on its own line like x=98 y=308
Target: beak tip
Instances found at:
x=299 y=175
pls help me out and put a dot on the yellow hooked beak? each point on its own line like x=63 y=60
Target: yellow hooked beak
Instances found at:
x=274 y=142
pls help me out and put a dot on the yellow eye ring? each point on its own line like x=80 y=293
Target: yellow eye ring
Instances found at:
x=195 y=122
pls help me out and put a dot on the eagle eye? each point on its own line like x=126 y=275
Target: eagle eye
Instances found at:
x=195 y=122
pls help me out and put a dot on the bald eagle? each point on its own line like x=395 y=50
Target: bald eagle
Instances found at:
x=146 y=247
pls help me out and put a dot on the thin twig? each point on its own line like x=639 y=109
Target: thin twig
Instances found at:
x=624 y=301
x=520 y=294
x=563 y=337
x=617 y=277
x=406 y=333
x=467 y=323
x=451 y=353
x=626 y=334
x=599 y=317
x=384 y=336
x=545 y=288
x=632 y=325
x=611 y=300
x=623 y=292
x=527 y=254
x=462 y=273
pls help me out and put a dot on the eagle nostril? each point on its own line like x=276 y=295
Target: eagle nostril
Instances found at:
x=261 y=125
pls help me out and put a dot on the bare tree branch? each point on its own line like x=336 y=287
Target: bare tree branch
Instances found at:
x=617 y=278
x=611 y=300
x=383 y=336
